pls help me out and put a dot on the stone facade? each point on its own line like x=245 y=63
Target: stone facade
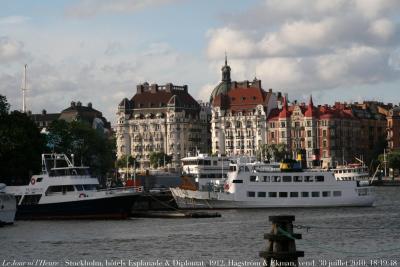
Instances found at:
x=239 y=115
x=162 y=119
x=393 y=128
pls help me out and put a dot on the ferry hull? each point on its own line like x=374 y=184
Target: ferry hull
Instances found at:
x=187 y=199
x=116 y=207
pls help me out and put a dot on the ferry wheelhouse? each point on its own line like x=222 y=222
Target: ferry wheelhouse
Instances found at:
x=207 y=170
x=64 y=190
x=351 y=172
x=260 y=185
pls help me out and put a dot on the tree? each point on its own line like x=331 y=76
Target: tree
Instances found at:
x=21 y=146
x=90 y=148
x=4 y=105
x=392 y=160
x=158 y=159
x=275 y=152
x=121 y=162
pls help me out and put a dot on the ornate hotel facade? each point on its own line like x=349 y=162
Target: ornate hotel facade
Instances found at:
x=162 y=119
x=239 y=115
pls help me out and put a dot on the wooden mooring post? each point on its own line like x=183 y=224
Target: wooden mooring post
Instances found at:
x=281 y=245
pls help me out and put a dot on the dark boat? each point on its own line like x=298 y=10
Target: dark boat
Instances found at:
x=65 y=191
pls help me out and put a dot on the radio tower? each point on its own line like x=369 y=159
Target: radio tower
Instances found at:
x=24 y=91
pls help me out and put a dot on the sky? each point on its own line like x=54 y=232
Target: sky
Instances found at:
x=98 y=50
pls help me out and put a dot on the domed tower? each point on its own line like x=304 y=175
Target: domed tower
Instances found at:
x=224 y=86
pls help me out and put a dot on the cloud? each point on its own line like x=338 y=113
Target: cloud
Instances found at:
x=54 y=82
x=12 y=20
x=90 y=8
x=113 y=48
x=11 y=50
x=305 y=45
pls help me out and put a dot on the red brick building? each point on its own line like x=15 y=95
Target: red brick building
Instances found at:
x=327 y=135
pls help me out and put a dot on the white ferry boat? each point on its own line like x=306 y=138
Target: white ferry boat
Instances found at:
x=8 y=206
x=351 y=172
x=259 y=185
x=207 y=170
x=65 y=191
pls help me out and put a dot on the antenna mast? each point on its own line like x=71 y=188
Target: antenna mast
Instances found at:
x=24 y=91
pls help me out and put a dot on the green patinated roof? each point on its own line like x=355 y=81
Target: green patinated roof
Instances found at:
x=222 y=88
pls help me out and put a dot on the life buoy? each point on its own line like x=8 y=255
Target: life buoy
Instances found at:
x=82 y=195
x=226 y=187
x=33 y=181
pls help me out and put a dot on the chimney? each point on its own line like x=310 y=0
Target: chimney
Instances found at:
x=154 y=88
x=72 y=103
x=270 y=90
x=79 y=104
x=44 y=112
x=139 y=88
x=89 y=105
x=168 y=87
x=185 y=88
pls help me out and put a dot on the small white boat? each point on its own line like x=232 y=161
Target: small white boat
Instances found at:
x=8 y=206
x=260 y=185
x=65 y=191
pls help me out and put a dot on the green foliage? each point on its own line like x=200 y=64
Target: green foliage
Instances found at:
x=4 y=106
x=274 y=152
x=157 y=159
x=121 y=162
x=90 y=148
x=392 y=159
x=21 y=146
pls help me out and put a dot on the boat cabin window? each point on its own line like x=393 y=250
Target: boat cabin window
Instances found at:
x=261 y=194
x=31 y=199
x=58 y=189
x=243 y=169
x=315 y=194
x=203 y=175
x=308 y=179
x=232 y=168
x=251 y=193
x=319 y=178
x=272 y=194
x=215 y=162
x=39 y=179
x=297 y=179
x=89 y=187
x=276 y=179
x=237 y=182
x=294 y=194
x=79 y=187
x=304 y=194
x=266 y=179
x=253 y=178
x=326 y=193
x=283 y=194
x=287 y=179
x=337 y=193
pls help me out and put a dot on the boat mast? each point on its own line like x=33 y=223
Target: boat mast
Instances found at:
x=24 y=91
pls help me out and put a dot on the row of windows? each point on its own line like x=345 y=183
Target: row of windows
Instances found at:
x=286 y=179
x=294 y=194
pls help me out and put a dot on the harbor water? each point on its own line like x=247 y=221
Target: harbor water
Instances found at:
x=335 y=237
